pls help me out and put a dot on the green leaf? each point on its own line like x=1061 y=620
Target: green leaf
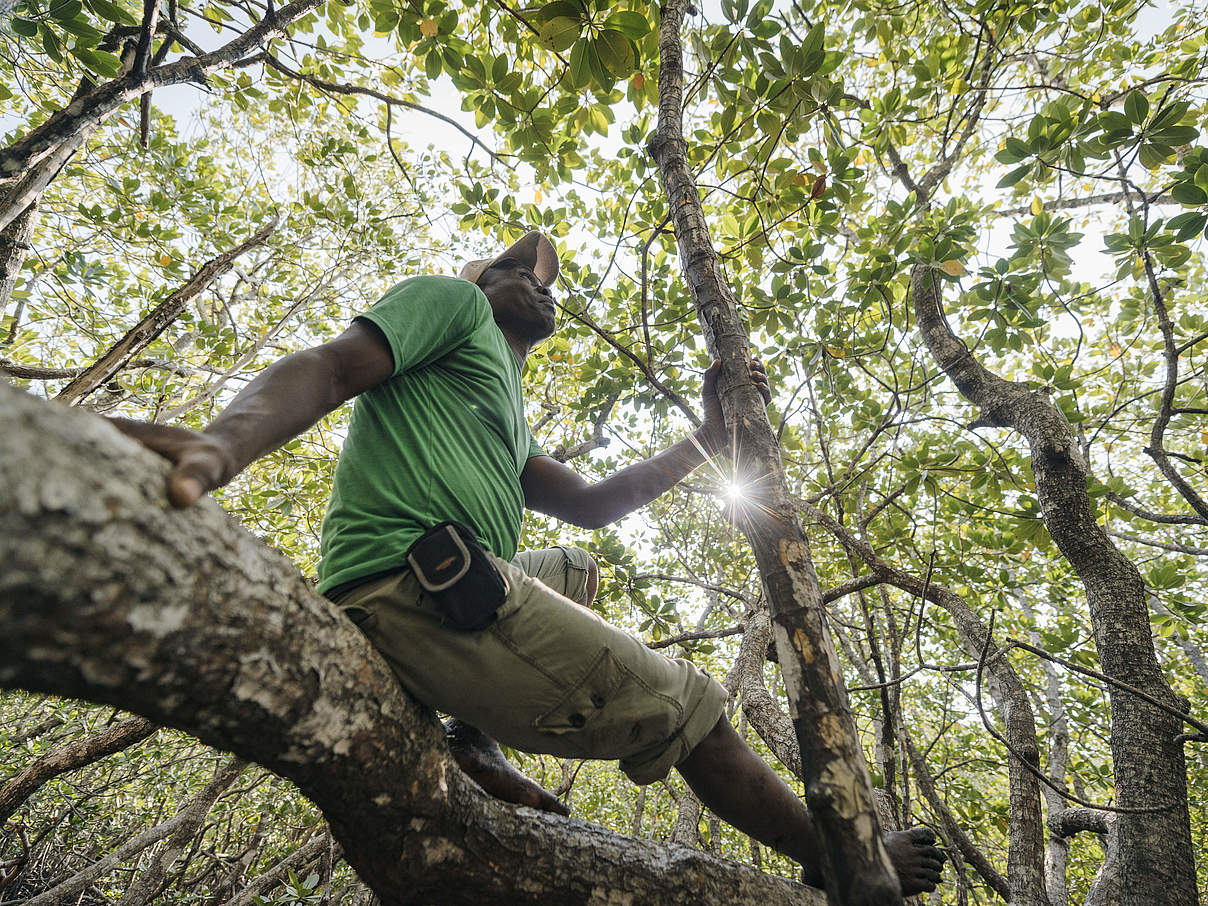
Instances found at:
x=814 y=39
x=599 y=72
x=24 y=27
x=616 y=53
x=1153 y=155
x=1187 y=225
x=432 y=65
x=1188 y=194
x=579 y=70
x=105 y=64
x=1136 y=106
x=630 y=24
x=65 y=10
x=560 y=33
x=81 y=29
x=51 y=44
x=1014 y=176
x=1174 y=135
x=112 y=11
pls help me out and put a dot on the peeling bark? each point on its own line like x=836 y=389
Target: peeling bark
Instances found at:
x=1151 y=781
x=111 y=595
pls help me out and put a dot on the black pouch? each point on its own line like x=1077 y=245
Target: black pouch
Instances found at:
x=456 y=570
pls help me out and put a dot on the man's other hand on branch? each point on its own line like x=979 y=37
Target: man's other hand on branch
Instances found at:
x=712 y=432
x=200 y=463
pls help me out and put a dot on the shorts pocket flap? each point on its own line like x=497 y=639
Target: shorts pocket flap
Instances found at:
x=586 y=698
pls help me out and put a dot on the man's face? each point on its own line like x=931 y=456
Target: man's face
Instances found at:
x=522 y=306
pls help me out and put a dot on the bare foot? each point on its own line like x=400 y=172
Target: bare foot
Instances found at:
x=916 y=859
x=479 y=756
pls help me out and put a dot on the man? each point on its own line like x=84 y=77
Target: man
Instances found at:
x=438 y=434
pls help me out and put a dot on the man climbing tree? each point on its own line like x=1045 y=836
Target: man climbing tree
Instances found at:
x=419 y=548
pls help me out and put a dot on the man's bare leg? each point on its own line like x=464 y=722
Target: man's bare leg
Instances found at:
x=480 y=757
x=741 y=789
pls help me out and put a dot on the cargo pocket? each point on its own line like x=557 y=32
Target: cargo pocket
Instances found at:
x=582 y=705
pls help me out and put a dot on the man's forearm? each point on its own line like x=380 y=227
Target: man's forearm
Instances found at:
x=283 y=401
x=635 y=486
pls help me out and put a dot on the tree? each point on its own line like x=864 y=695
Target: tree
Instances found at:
x=988 y=148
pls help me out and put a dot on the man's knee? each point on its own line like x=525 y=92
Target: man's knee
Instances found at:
x=593 y=583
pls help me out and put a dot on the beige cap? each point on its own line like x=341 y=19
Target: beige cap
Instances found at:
x=532 y=249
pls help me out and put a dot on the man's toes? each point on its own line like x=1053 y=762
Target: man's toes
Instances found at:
x=921 y=836
x=918 y=884
x=548 y=802
x=933 y=854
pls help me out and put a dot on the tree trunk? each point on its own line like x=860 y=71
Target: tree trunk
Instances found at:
x=838 y=787
x=111 y=595
x=1151 y=779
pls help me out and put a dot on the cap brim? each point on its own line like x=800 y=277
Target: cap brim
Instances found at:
x=534 y=250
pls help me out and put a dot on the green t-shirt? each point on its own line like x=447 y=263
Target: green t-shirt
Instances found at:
x=443 y=438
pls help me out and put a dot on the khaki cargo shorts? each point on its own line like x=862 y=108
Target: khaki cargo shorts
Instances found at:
x=548 y=675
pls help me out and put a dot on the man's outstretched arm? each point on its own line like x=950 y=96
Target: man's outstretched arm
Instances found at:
x=283 y=401
x=556 y=489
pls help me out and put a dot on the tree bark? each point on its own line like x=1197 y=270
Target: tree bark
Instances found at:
x=155 y=321
x=14 y=246
x=111 y=595
x=1151 y=781
x=838 y=787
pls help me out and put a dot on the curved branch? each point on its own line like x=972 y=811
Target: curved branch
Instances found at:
x=70 y=757
x=65 y=128
x=389 y=100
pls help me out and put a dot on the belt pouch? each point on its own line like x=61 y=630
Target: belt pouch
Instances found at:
x=458 y=573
